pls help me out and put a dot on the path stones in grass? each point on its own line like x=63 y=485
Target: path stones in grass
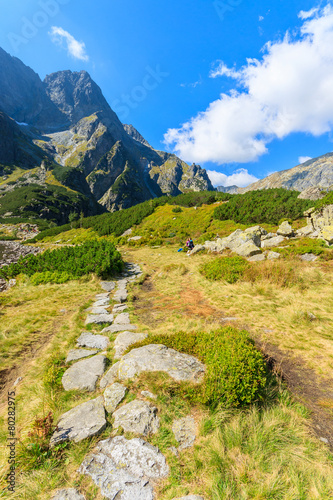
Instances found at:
x=138 y=417
x=126 y=339
x=122 y=319
x=155 y=358
x=273 y=255
x=113 y=395
x=309 y=257
x=83 y=421
x=101 y=296
x=108 y=286
x=119 y=308
x=84 y=374
x=118 y=328
x=125 y=469
x=97 y=310
x=185 y=431
x=76 y=354
x=101 y=303
x=88 y=339
x=68 y=494
x=99 y=318
x=120 y=296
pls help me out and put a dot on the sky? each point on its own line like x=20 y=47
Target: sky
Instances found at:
x=242 y=88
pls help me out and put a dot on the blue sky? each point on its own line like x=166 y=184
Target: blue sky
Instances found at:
x=242 y=88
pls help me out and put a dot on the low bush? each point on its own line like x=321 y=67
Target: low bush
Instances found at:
x=177 y=210
x=50 y=277
x=229 y=269
x=235 y=370
x=96 y=256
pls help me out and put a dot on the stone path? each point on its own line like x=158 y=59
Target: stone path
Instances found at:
x=122 y=468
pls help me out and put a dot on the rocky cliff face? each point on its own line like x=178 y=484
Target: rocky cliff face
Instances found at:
x=71 y=126
x=317 y=172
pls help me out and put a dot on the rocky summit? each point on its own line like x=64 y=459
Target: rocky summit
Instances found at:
x=72 y=146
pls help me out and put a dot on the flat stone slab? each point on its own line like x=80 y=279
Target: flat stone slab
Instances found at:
x=120 y=296
x=88 y=339
x=84 y=374
x=155 y=358
x=119 y=308
x=113 y=395
x=76 y=354
x=309 y=257
x=97 y=310
x=100 y=296
x=185 y=432
x=108 y=286
x=102 y=303
x=122 y=319
x=99 y=318
x=257 y=258
x=138 y=417
x=272 y=242
x=83 y=421
x=124 y=340
x=124 y=469
x=118 y=328
x=68 y=494
x=148 y=394
x=273 y=255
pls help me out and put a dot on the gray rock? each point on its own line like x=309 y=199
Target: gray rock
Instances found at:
x=190 y=497
x=285 y=229
x=155 y=358
x=122 y=318
x=118 y=328
x=309 y=257
x=273 y=255
x=84 y=374
x=257 y=258
x=247 y=249
x=120 y=296
x=127 y=232
x=68 y=494
x=134 y=238
x=101 y=296
x=113 y=395
x=88 y=339
x=267 y=236
x=99 y=319
x=138 y=417
x=305 y=231
x=83 y=421
x=119 y=308
x=123 y=468
x=185 y=432
x=311 y=193
x=147 y=394
x=122 y=283
x=272 y=242
x=124 y=340
x=197 y=249
x=75 y=354
x=102 y=303
x=97 y=310
x=108 y=286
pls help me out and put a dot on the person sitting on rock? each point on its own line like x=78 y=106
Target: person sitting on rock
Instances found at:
x=190 y=244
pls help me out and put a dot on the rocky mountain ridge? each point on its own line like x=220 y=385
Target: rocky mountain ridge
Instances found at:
x=66 y=123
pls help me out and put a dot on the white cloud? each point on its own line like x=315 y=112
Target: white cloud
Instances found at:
x=240 y=178
x=306 y=14
x=303 y=159
x=261 y=18
x=288 y=90
x=74 y=48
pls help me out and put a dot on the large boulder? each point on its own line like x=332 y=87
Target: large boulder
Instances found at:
x=84 y=374
x=83 y=421
x=327 y=234
x=124 y=469
x=155 y=358
x=247 y=249
x=138 y=417
x=285 y=229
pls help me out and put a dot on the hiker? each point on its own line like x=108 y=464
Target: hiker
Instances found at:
x=190 y=244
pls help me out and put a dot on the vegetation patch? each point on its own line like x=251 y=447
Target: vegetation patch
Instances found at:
x=235 y=369
x=97 y=256
x=267 y=205
x=229 y=269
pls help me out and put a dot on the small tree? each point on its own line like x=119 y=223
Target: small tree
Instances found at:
x=72 y=217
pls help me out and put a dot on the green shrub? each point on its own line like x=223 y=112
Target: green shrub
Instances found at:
x=96 y=256
x=235 y=370
x=50 y=277
x=263 y=206
x=177 y=210
x=327 y=200
x=229 y=269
